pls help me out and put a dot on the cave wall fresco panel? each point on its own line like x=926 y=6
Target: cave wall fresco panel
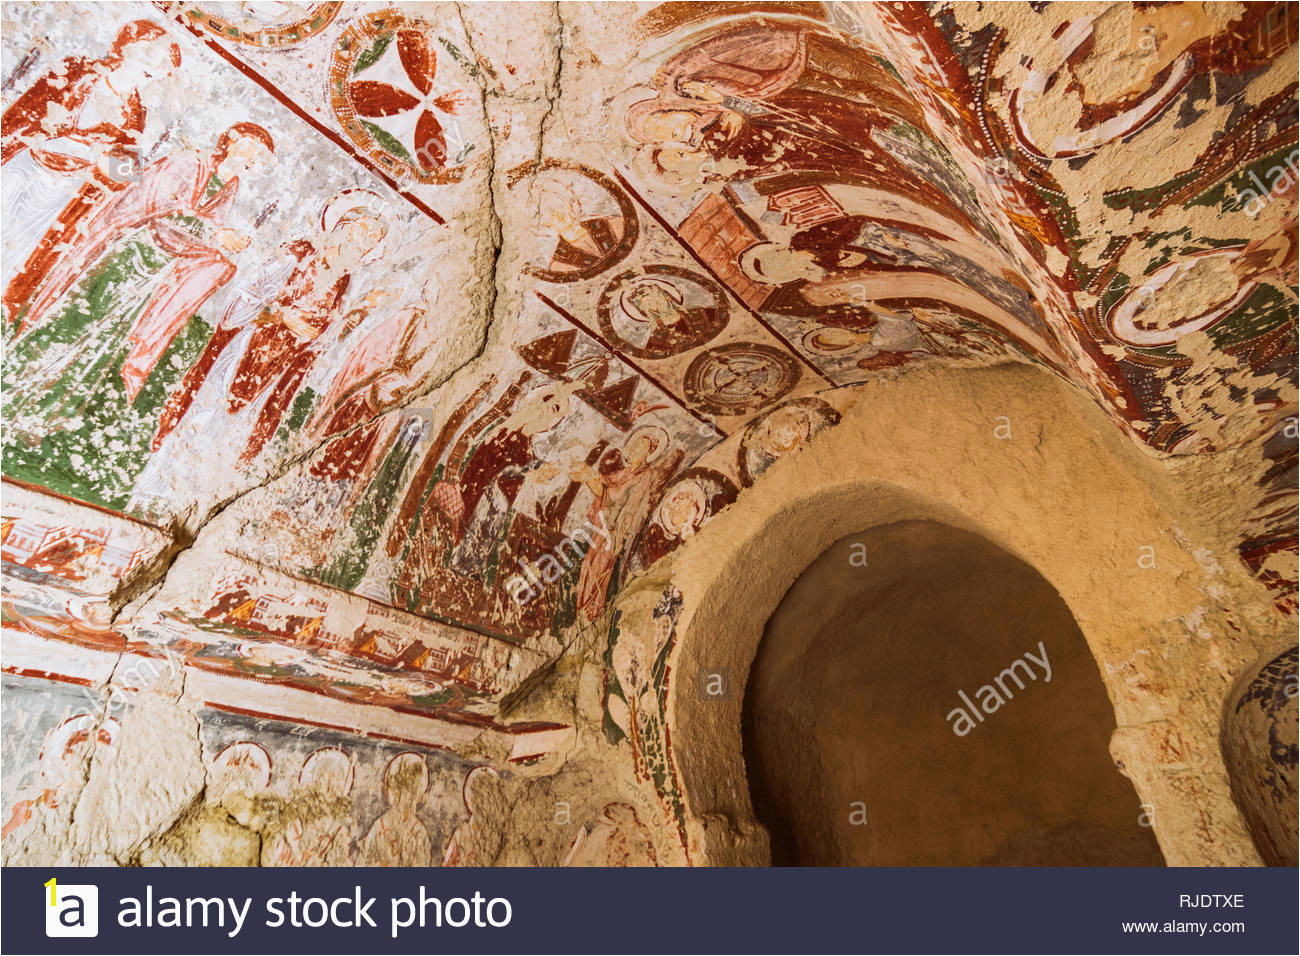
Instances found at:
x=245 y=270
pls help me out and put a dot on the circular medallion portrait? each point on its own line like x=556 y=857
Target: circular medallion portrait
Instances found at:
x=585 y=223
x=688 y=501
x=785 y=429
x=659 y=311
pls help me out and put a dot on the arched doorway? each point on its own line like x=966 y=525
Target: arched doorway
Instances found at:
x=922 y=697
x=1067 y=496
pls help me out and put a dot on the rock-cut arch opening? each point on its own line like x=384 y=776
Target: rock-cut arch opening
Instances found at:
x=922 y=697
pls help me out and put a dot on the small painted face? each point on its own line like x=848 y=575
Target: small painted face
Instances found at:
x=683 y=512
x=554 y=409
x=333 y=783
x=687 y=163
x=244 y=153
x=785 y=431
x=655 y=305
x=354 y=238
x=240 y=768
x=148 y=59
x=328 y=771
x=671 y=126
x=544 y=411
x=406 y=780
x=559 y=210
x=639 y=449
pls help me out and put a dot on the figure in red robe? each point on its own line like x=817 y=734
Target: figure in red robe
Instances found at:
x=94 y=104
x=183 y=200
x=292 y=330
x=53 y=107
x=781 y=104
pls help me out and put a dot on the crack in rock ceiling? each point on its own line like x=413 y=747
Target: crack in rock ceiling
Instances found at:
x=356 y=357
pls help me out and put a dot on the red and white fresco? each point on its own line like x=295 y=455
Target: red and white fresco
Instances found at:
x=417 y=337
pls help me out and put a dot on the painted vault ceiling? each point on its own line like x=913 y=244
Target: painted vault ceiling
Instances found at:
x=356 y=354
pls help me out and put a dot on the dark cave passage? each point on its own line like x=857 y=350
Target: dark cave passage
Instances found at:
x=861 y=749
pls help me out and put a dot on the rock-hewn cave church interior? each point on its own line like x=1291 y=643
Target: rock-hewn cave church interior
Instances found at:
x=649 y=434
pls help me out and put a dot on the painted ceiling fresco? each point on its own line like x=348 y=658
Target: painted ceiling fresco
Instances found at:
x=400 y=341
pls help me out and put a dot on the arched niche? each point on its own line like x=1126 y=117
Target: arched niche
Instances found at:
x=921 y=697
x=1016 y=456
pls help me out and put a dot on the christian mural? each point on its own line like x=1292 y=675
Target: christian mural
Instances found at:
x=158 y=293
x=418 y=342
x=55 y=730
x=322 y=798
x=636 y=696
